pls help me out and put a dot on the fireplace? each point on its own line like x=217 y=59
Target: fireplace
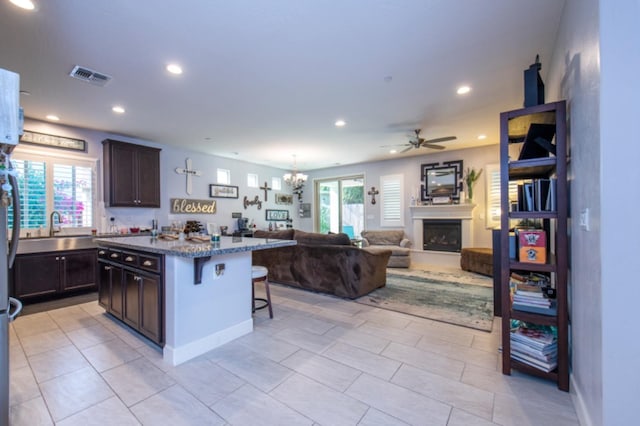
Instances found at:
x=442 y=235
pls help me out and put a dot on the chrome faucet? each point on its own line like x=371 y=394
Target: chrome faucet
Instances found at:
x=52 y=229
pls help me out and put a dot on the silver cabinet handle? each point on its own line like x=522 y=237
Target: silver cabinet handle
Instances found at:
x=101 y=252
x=129 y=259
x=147 y=263
x=114 y=255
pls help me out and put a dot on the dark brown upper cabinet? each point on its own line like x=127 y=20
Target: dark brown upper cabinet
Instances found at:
x=131 y=175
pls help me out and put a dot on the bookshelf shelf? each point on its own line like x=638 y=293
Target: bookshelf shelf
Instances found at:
x=549 y=165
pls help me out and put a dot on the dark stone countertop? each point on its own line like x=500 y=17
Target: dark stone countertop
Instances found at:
x=192 y=249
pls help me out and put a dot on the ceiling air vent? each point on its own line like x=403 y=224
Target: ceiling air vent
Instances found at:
x=90 y=76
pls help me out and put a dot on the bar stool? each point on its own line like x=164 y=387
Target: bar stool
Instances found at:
x=260 y=273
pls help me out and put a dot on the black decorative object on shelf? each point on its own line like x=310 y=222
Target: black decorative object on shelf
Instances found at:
x=533 y=85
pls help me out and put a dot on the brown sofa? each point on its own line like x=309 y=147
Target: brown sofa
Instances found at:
x=326 y=263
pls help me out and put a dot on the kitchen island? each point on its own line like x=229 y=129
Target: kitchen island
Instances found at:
x=187 y=296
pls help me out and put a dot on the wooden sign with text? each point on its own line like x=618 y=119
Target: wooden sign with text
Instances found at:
x=184 y=205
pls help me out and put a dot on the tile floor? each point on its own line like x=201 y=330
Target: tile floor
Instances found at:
x=320 y=361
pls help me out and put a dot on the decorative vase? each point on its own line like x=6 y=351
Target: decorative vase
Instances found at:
x=470 y=193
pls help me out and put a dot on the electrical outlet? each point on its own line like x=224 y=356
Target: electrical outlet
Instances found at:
x=219 y=268
x=584 y=219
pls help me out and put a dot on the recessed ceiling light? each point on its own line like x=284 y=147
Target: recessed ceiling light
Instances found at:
x=53 y=117
x=24 y=4
x=118 y=109
x=174 y=69
x=393 y=151
x=482 y=137
x=462 y=90
x=340 y=123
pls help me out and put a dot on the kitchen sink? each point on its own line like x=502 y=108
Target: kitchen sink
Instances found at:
x=52 y=244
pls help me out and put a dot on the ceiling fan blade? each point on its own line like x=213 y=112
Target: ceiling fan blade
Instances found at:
x=406 y=149
x=428 y=145
x=443 y=139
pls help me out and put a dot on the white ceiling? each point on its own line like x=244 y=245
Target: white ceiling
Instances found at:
x=265 y=80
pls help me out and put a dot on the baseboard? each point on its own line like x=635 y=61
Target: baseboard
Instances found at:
x=579 y=404
x=176 y=356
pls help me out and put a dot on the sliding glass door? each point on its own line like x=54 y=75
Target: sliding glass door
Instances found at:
x=340 y=205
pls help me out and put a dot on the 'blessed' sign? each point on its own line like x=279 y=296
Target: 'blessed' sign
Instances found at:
x=184 y=205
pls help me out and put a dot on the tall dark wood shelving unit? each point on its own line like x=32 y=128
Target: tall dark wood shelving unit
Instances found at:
x=544 y=166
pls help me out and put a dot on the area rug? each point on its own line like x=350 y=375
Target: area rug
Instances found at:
x=461 y=299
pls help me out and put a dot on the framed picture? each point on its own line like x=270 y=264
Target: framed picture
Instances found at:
x=52 y=141
x=286 y=199
x=277 y=214
x=223 y=191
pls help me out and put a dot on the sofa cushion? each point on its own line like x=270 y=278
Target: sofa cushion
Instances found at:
x=395 y=250
x=316 y=239
x=284 y=234
x=387 y=237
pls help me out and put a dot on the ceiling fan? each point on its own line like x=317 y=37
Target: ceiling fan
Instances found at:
x=419 y=142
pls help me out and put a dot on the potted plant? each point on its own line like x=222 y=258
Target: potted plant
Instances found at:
x=470 y=178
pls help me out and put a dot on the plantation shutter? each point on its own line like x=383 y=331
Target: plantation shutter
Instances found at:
x=493 y=195
x=72 y=194
x=392 y=200
x=31 y=176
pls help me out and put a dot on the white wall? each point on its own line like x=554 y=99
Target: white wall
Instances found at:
x=595 y=67
x=174 y=185
x=476 y=158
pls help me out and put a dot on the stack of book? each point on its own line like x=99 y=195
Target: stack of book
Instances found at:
x=535 y=347
x=531 y=298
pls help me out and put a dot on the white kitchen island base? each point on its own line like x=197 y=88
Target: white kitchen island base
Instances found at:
x=201 y=317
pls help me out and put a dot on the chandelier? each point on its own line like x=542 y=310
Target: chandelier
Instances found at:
x=296 y=180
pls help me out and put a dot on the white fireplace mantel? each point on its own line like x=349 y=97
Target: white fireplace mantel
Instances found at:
x=464 y=212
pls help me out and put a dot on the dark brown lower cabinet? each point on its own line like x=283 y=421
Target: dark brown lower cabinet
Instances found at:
x=53 y=274
x=133 y=291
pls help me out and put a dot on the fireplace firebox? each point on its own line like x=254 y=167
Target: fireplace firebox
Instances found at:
x=442 y=235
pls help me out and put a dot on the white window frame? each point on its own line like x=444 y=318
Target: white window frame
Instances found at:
x=276 y=183
x=493 y=209
x=223 y=176
x=252 y=180
x=392 y=204
x=51 y=158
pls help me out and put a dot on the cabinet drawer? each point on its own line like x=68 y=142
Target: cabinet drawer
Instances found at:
x=129 y=258
x=151 y=263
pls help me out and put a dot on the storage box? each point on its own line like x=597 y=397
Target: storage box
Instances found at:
x=532 y=245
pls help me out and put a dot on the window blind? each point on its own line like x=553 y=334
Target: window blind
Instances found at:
x=391 y=200
x=72 y=194
x=32 y=180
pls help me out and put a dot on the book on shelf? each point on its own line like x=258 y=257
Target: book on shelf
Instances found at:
x=542 y=365
x=550 y=310
x=537 y=195
x=546 y=356
x=532 y=301
x=534 y=337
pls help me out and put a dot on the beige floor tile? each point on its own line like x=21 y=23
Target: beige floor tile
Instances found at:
x=378 y=418
x=427 y=361
x=92 y=308
x=340 y=319
x=175 y=406
x=30 y=413
x=452 y=392
x=22 y=386
x=69 y=320
x=110 y=412
x=399 y=402
x=74 y=392
x=136 y=380
x=362 y=360
x=110 y=354
x=90 y=336
x=324 y=370
x=206 y=380
x=29 y=325
x=17 y=358
x=446 y=332
x=312 y=399
x=466 y=354
x=251 y=367
x=44 y=342
x=57 y=362
x=462 y=418
x=389 y=332
x=489 y=342
x=267 y=345
x=385 y=318
x=249 y=406
x=305 y=339
x=358 y=338
x=341 y=306
x=520 y=411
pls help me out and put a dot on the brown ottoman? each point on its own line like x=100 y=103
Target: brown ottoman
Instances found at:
x=479 y=260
